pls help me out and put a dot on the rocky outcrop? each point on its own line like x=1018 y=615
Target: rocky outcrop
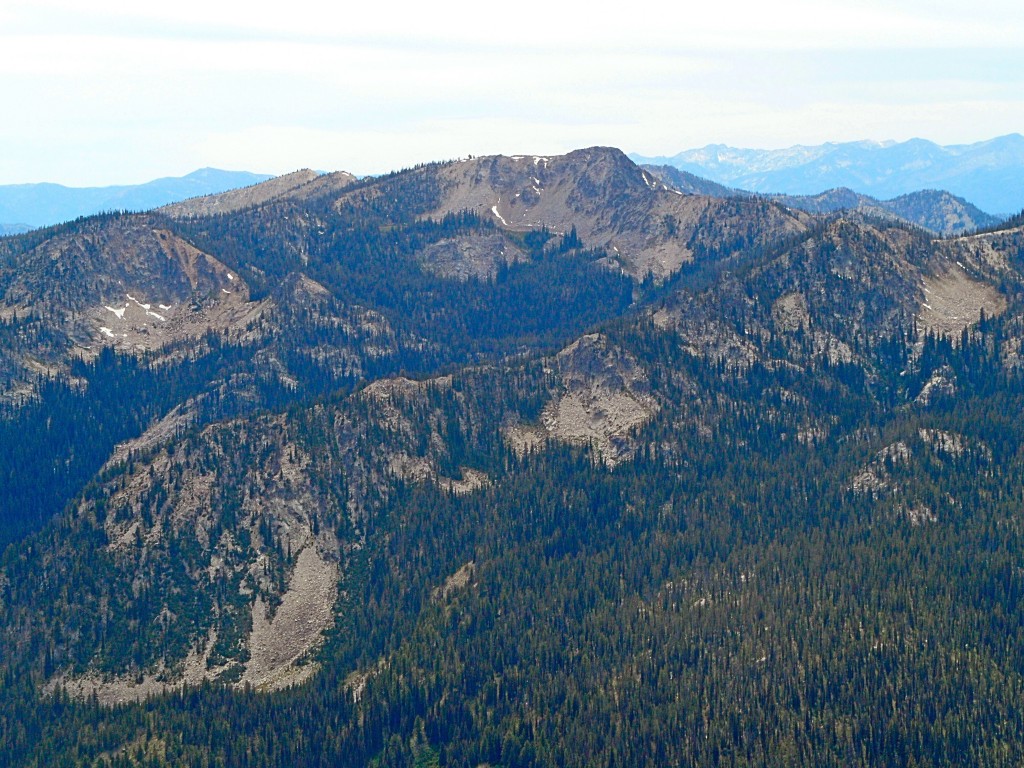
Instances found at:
x=604 y=396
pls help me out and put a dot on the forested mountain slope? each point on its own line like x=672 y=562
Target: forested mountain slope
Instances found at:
x=631 y=479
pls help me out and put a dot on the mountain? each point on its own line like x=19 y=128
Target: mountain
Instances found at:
x=236 y=199
x=986 y=173
x=934 y=210
x=516 y=461
x=13 y=229
x=609 y=201
x=40 y=205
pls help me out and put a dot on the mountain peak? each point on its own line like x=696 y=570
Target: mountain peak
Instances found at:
x=598 y=153
x=644 y=226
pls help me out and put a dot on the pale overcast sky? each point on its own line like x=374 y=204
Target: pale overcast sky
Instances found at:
x=123 y=91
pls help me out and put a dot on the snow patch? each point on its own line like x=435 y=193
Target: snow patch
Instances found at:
x=164 y=307
x=494 y=210
x=107 y=332
x=118 y=312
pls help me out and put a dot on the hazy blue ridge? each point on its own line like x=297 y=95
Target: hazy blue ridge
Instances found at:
x=25 y=206
x=13 y=229
x=989 y=174
x=935 y=210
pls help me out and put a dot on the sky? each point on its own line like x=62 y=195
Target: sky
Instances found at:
x=125 y=91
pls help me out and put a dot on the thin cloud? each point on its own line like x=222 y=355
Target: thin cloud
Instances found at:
x=118 y=91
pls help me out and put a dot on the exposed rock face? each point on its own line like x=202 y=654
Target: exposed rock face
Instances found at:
x=645 y=227
x=239 y=506
x=280 y=644
x=470 y=256
x=941 y=385
x=992 y=253
x=604 y=395
x=256 y=534
x=954 y=300
x=121 y=281
x=790 y=312
x=876 y=478
x=891 y=473
x=457 y=581
x=73 y=272
x=130 y=284
x=803 y=295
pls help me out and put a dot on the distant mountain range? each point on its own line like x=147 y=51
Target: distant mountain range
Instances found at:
x=935 y=210
x=985 y=181
x=26 y=206
x=990 y=174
